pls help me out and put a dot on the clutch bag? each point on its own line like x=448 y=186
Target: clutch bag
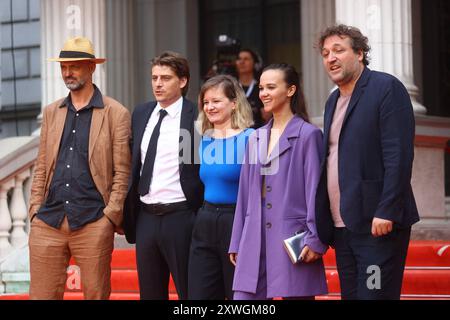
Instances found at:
x=294 y=246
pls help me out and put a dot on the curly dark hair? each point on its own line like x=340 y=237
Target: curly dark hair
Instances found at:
x=359 y=41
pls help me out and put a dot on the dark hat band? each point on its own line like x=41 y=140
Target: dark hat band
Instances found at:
x=75 y=55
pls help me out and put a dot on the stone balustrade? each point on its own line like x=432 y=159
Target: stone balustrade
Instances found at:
x=13 y=213
x=17 y=157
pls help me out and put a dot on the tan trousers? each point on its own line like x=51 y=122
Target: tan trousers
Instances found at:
x=50 y=253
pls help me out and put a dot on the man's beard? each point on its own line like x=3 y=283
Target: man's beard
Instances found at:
x=76 y=85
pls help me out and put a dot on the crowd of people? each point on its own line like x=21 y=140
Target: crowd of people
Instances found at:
x=210 y=193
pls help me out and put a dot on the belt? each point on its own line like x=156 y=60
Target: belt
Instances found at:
x=161 y=209
x=210 y=205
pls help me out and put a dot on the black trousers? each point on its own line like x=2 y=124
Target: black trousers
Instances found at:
x=371 y=268
x=162 y=248
x=210 y=270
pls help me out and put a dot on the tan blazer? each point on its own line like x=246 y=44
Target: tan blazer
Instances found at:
x=109 y=155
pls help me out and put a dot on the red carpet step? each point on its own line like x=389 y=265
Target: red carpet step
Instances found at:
x=427 y=275
x=420 y=254
x=416 y=282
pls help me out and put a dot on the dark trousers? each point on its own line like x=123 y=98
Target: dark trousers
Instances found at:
x=210 y=270
x=371 y=268
x=162 y=248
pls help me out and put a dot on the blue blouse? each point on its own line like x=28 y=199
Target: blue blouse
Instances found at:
x=220 y=167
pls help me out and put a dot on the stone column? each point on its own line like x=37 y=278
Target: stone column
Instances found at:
x=388 y=25
x=146 y=37
x=316 y=15
x=120 y=51
x=167 y=25
x=61 y=19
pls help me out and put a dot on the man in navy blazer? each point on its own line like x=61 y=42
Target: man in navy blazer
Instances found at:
x=365 y=206
x=165 y=190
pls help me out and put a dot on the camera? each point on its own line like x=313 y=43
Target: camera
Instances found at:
x=227 y=52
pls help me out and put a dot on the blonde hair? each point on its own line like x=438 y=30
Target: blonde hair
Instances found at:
x=241 y=117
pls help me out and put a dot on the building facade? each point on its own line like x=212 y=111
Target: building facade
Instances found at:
x=21 y=64
x=410 y=39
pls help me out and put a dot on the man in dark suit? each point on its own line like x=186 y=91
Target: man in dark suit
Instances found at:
x=365 y=206
x=165 y=190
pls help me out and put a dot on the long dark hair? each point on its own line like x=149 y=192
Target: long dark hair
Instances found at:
x=291 y=77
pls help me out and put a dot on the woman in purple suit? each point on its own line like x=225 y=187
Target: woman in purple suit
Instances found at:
x=276 y=198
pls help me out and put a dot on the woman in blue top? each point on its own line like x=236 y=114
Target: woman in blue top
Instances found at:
x=224 y=119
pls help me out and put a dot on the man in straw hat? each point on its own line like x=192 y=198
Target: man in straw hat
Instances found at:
x=80 y=181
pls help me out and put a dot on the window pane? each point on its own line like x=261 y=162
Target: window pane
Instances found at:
x=271 y=27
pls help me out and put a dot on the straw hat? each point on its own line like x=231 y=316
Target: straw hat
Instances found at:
x=77 y=49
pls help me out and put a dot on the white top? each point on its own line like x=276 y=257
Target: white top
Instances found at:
x=165 y=186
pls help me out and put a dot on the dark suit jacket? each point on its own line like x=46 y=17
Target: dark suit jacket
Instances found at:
x=189 y=164
x=376 y=152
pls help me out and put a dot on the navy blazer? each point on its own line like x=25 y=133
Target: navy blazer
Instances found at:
x=189 y=163
x=376 y=152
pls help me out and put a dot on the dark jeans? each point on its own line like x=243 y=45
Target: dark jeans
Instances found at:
x=360 y=258
x=210 y=270
x=162 y=248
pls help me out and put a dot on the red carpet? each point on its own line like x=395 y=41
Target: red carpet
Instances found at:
x=427 y=275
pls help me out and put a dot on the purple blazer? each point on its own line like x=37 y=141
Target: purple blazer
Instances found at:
x=292 y=174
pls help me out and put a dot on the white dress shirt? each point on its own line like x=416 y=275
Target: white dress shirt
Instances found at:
x=165 y=186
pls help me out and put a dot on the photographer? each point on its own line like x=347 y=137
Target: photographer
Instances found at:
x=248 y=66
x=227 y=53
x=245 y=65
